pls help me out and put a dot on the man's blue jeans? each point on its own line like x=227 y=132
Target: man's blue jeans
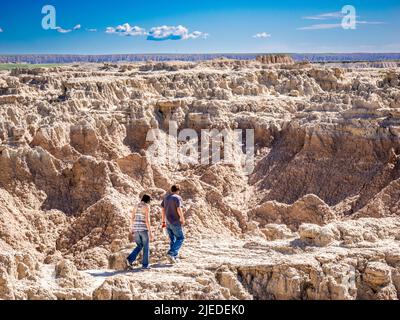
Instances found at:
x=175 y=232
x=142 y=242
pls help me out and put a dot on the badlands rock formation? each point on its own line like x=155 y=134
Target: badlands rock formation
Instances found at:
x=318 y=218
x=275 y=58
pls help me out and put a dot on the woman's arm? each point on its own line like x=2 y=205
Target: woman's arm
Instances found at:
x=147 y=218
x=133 y=216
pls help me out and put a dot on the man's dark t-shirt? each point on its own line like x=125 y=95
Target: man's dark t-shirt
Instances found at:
x=171 y=203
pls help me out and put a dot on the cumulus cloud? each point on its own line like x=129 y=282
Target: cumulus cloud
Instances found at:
x=160 y=33
x=198 y=34
x=77 y=27
x=262 y=35
x=163 y=33
x=1 y=30
x=126 y=30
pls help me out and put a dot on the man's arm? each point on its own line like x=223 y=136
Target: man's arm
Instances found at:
x=163 y=216
x=181 y=216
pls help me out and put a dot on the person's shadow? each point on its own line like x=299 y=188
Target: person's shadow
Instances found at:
x=161 y=265
x=127 y=271
x=114 y=273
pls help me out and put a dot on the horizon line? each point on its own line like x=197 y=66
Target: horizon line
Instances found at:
x=183 y=53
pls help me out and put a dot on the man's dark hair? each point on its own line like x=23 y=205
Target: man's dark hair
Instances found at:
x=146 y=198
x=175 y=188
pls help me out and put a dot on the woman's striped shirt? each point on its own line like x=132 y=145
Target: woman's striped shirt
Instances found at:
x=139 y=223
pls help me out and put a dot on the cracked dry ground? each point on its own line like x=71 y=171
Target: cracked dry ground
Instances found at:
x=317 y=219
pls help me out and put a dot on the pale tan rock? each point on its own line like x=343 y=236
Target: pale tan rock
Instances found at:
x=116 y=245
x=277 y=231
x=272 y=58
x=68 y=276
x=117 y=261
x=320 y=236
x=308 y=209
x=38 y=293
x=318 y=218
x=377 y=274
x=230 y=281
x=6 y=286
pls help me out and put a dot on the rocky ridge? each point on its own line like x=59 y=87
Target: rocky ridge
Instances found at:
x=317 y=218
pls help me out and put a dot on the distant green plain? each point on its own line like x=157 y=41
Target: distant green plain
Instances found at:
x=10 y=66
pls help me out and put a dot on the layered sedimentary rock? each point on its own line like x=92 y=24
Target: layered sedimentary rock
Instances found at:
x=275 y=58
x=318 y=217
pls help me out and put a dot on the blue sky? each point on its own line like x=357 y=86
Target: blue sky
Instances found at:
x=219 y=26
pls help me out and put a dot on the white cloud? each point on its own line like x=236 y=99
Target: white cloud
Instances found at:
x=126 y=30
x=61 y=30
x=198 y=34
x=322 y=26
x=262 y=35
x=325 y=26
x=335 y=18
x=163 y=33
x=392 y=46
x=325 y=16
x=91 y=30
x=1 y=30
x=370 y=22
x=160 y=33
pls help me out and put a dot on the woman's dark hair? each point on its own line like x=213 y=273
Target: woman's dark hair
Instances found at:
x=146 y=198
x=175 y=188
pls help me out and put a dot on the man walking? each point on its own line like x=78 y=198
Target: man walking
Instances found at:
x=173 y=220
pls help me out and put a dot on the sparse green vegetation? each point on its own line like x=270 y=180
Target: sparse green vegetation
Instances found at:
x=10 y=66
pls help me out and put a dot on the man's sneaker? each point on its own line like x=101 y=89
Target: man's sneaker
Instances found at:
x=146 y=268
x=171 y=259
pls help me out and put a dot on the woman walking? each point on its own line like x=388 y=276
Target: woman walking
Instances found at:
x=142 y=232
